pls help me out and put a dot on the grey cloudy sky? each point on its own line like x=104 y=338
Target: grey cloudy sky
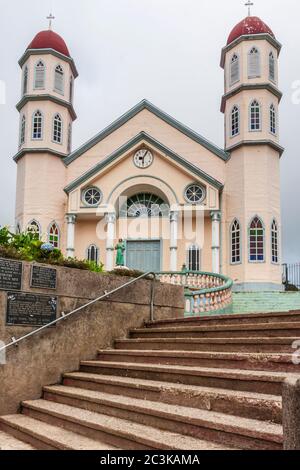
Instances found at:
x=167 y=51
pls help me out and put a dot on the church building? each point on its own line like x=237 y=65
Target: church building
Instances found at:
x=171 y=195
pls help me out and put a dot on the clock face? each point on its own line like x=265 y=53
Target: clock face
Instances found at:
x=143 y=158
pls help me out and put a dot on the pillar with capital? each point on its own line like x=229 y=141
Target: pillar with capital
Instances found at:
x=110 y=240
x=71 y=220
x=173 y=240
x=215 y=228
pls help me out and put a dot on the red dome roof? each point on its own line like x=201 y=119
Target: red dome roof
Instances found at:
x=49 y=40
x=250 y=25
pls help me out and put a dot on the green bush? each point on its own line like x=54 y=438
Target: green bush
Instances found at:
x=27 y=247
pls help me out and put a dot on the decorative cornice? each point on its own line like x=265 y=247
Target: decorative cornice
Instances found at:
x=249 y=37
x=23 y=152
x=46 y=97
x=250 y=86
x=126 y=147
x=271 y=143
x=30 y=52
x=162 y=115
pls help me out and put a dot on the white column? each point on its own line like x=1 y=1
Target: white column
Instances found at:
x=110 y=240
x=215 y=225
x=173 y=240
x=71 y=220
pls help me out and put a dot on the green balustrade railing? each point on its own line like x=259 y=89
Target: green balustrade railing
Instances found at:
x=204 y=292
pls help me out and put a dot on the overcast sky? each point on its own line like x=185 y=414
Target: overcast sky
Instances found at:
x=167 y=51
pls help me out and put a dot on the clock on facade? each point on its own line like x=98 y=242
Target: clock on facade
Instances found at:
x=143 y=158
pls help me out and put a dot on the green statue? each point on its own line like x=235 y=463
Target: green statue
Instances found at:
x=120 y=253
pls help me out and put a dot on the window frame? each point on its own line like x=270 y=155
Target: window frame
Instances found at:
x=258 y=55
x=62 y=75
x=231 y=121
x=22 y=135
x=235 y=263
x=272 y=64
x=196 y=248
x=42 y=126
x=51 y=225
x=257 y=261
x=272 y=117
x=250 y=115
x=274 y=221
x=25 y=80
x=231 y=81
x=35 y=74
x=97 y=249
x=59 y=142
x=36 y=223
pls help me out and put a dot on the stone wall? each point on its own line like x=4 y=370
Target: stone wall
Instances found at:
x=42 y=359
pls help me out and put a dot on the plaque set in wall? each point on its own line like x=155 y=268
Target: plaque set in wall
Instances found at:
x=30 y=309
x=11 y=273
x=43 y=278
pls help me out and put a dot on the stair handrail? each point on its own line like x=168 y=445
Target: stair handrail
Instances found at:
x=64 y=316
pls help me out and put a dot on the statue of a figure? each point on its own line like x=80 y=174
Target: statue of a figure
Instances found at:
x=120 y=253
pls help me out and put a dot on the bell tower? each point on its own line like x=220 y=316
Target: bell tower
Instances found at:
x=252 y=195
x=45 y=135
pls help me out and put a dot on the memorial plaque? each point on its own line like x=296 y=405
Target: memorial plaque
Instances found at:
x=10 y=274
x=43 y=278
x=30 y=309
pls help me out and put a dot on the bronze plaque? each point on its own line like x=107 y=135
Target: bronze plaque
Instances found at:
x=43 y=278
x=10 y=274
x=30 y=309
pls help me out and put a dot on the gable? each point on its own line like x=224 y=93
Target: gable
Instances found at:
x=142 y=137
x=158 y=113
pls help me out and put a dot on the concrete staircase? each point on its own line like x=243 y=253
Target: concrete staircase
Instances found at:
x=190 y=384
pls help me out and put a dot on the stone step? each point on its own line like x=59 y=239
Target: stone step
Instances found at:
x=119 y=432
x=239 y=432
x=9 y=442
x=232 y=331
x=232 y=379
x=48 y=437
x=245 y=404
x=228 y=360
x=204 y=320
x=243 y=345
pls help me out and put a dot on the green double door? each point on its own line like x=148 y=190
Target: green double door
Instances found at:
x=143 y=255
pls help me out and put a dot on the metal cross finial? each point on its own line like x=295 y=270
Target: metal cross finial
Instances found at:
x=249 y=4
x=50 y=18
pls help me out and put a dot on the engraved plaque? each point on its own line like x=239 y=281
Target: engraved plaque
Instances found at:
x=43 y=278
x=30 y=309
x=10 y=274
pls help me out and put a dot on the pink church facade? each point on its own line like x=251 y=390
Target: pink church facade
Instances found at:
x=174 y=197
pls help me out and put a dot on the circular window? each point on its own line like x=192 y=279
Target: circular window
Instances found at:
x=194 y=194
x=92 y=197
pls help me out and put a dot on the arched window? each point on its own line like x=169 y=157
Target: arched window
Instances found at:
x=235 y=243
x=59 y=79
x=70 y=138
x=37 y=126
x=235 y=121
x=93 y=253
x=144 y=205
x=194 y=258
x=234 y=70
x=273 y=119
x=34 y=228
x=272 y=67
x=53 y=235
x=274 y=241
x=39 y=80
x=57 y=129
x=255 y=116
x=23 y=130
x=253 y=63
x=71 y=89
x=256 y=240
x=25 y=80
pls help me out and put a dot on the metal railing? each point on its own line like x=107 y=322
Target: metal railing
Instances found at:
x=204 y=292
x=291 y=275
x=65 y=316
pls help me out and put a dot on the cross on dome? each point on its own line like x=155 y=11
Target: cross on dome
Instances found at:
x=50 y=18
x=249 y=4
